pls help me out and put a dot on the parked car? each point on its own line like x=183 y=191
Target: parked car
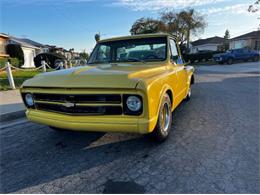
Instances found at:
x=52 y=59
x=236 y=55
x=200 y=56
x=131 y=84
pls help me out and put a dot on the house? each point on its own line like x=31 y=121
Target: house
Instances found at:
x=3 y=41
x=250 y=40
x=75 y=54
x=43 y=48
x=29 y=51
x=209 y=44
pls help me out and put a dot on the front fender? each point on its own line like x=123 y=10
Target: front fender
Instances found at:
x=154 y=95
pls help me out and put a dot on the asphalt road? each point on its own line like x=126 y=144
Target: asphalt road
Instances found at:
x=213 y=148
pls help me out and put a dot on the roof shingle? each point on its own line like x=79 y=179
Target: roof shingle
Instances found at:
x=211 y=40
x=254 y=34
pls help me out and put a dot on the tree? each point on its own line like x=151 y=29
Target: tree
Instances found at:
x=225 y=45
x=15 y=51
x=84 y=55
x=146 y=26
x=255 y=7
x=183 y=24
x=227 y=34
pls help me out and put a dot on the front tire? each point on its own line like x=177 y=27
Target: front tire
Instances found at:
x=164 y=122
x=230 y=61
x=256 y=58
x=188 y=96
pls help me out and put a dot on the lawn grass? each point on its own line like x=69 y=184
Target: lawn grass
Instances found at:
x=19 y=77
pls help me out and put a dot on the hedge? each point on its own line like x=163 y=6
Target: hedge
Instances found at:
x=15 y=51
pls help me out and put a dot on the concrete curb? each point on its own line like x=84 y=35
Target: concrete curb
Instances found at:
x=12 y=115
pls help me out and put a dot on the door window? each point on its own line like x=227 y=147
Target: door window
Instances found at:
x=174 y=51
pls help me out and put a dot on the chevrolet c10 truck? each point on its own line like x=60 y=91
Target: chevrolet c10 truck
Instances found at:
x=130 y=84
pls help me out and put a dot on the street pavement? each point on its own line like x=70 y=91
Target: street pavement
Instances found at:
x=236 y=68
x=213 y=148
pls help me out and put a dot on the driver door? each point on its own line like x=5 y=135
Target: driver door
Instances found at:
x=177 y=62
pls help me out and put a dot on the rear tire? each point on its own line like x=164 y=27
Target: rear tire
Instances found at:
x=164 y=121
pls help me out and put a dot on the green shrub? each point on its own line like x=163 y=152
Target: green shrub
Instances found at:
x=2 y=62
x=15 y=51
x=14 y=61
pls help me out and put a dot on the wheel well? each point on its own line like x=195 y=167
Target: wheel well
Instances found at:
x=169 y=93
x=192 y=80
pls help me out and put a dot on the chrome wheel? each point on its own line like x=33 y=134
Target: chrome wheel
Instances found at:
x=164 y=122
x=189 y=93
x=188 y=96
x=165 y=118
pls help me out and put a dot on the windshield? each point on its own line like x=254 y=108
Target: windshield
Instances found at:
x=132 y=50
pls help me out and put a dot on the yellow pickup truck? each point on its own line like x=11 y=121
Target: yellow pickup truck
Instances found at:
x=130 y=84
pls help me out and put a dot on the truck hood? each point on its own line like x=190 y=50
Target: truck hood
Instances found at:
x=99 y=76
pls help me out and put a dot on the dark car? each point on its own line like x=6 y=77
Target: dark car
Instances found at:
x=236 y=55
x=52 y=59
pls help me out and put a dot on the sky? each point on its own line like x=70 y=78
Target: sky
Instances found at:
x=73 y=23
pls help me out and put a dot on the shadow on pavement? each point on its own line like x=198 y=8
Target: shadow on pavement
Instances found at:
x=43 y=155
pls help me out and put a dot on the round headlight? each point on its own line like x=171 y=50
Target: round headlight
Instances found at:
x=29 y=99
x=133 y=103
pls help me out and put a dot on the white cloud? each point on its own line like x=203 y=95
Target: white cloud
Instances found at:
x=233 y=9
x=153 y=5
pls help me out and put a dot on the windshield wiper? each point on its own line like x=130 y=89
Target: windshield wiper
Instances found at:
x=100 y=62
x=153 y=59
x=133 y=60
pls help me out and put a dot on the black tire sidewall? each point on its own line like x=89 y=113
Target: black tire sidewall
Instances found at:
x=256 y=58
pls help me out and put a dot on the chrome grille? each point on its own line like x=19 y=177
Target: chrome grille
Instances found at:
x=79 y=104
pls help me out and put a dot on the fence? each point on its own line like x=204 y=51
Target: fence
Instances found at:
x=8 y=68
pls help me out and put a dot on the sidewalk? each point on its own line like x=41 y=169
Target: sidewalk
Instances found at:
x=11 y=105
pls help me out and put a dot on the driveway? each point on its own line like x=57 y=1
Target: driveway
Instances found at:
x=213 y=147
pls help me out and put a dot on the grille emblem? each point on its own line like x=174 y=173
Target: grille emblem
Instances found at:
x=69 y=104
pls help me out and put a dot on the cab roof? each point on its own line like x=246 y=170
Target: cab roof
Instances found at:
x=136 y=37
